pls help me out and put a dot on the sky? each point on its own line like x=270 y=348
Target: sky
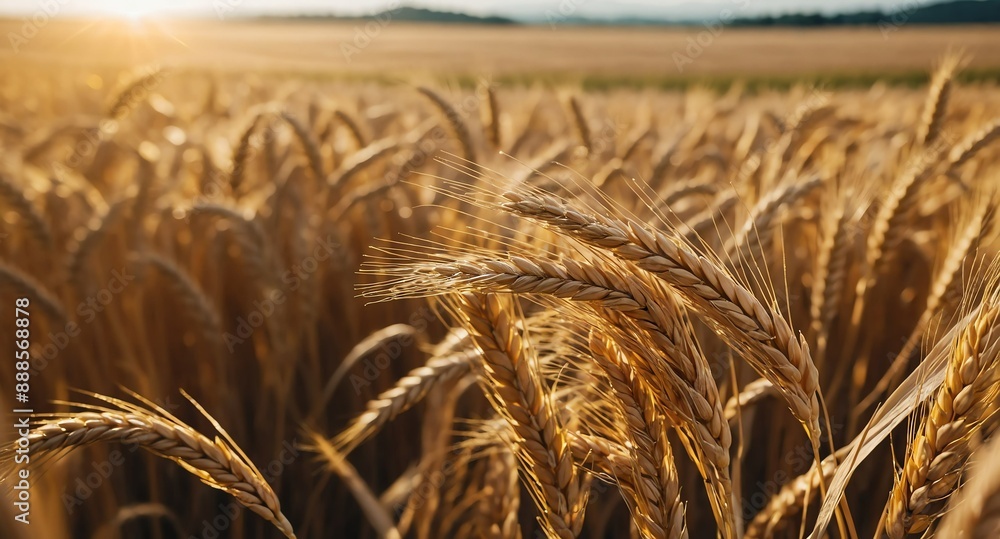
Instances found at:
x=664 y=9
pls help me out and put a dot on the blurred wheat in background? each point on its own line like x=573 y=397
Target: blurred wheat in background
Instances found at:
x=500 y=311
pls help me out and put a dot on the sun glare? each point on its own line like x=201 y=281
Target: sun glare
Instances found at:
x=133 y=12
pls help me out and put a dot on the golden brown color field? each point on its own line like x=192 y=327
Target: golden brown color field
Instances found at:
x=398 y=48
x=504 y=311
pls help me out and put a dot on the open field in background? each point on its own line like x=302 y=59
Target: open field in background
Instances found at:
x=337 y=308
x=603 y=56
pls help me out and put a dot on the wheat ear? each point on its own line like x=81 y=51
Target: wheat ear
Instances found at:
x=774 y=350
x=243 y=153
x=763 y=215
x=493 y=109
x=830 y=275
x=198 y=306
x=702 y=225
x=975 y=143
x=680 y=191
x=610 y=290
x=614 y=293
x=217 y=463
x=938 y=452
x=125 y=99
x=658 y=510
x=34 y=291
x=405 y=394
x=974 y=512
x=937 y=101
x=16 y=200
x=250 y=237
x=512 y=383
x=457 y=123
x=580 y=122
x=361 y=160
x=309 y=144
x=92 y=238
x=352 y=127
x=793 y=499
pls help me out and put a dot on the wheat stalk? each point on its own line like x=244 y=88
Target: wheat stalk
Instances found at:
x=91 y=238
x=975 y=143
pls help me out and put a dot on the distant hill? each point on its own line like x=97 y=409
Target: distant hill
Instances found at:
x=412 y=14
x=956 y=12
x=907 y=12
x=953 y=12
x=416 y=14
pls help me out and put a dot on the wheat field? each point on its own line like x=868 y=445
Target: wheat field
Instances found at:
x=351 y=309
